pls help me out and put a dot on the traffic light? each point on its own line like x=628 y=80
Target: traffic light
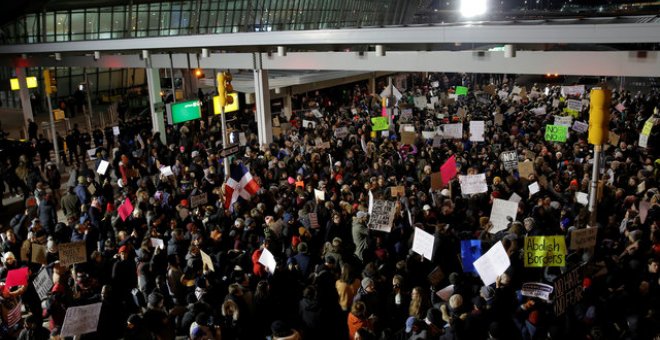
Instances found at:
x=599 y=119
x=199 y=74
x=225 y=88
x=50 y=81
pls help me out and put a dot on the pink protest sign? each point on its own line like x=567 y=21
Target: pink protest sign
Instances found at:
x=448 y=170
x=17 y=277
x=125 y=209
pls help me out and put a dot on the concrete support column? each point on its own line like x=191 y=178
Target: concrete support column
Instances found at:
x=288 y=105
x=372 y=84
x=155 y=102
x=263 y=114
x=24 y=94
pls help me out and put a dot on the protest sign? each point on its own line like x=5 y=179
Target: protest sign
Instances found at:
x=470 y=252
x=580 y=127
x=268 y=260
x=445 y=293
x=197 y=200
x=17 y=277
x=313 y=220
x=207 y=261
x=499 y=213
x=582 y=198
x=545 y=251
x=583 y=238
x=423 y=243
x=452 y=131
x=515 y=198
x=408 y=137
x=428 y=134
x=103 y=167
x=574 y=105
x=43 y=283
x=92 y=154
x=398 y=191
x=379 y=123
x=619 y=107
x=157 y=242
x=371 y=202
x=319 y=195
x=382 y=216
x=81 y=320
x=448 y=170
x=436 y=276
x=477 y=130
x=126 y=209
x=437 y=141
x=564 y=120
x=406 y=114
x=539 y=111
x=461 y=113
x=613 y=138
x=461 y=90
x=307 y=124
x=436 y=181
x=516 y=90
x=420 y=102
x=646 y=132
x=556 y=133
x=492 y=264
x=406 y=128
x=490 y=89
x=537 y=290
x=473 y=184
x=509 y=160
x=525 y=169
x=39 y=253
x=115 y=130
x=498 y=119
x=568 y=290
x=72 y=253
x=575 y=90
x=166 y=171
x=502 y=94
x=341 y=132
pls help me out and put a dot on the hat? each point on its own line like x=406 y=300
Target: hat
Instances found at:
x=155 y=298
x=82 y=179
x=409 y=324
x=426 y=207
x=302 y=248
x=366 y=282
x=574 y=183
x=184 y=203
x=361 y=214
x=122 y=249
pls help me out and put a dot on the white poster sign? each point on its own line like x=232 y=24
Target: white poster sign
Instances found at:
x=103 y=167
x=574 y=105
x=564 y=120
x=477 y=130
x=492 y=264
x=115 y=130
x=537 y=290
x=473 y=184
x=582 y=198
x=580 y=127
x=498 y=215
x=575 y=90
x=268 y=260
x=381 y=217
x=423 y=243
x=81 y=320
x=452 y=131
x=533 y=188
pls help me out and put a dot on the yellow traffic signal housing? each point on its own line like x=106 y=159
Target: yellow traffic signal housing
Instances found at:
x=599 y=116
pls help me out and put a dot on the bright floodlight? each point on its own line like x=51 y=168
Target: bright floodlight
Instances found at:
x=472 y=8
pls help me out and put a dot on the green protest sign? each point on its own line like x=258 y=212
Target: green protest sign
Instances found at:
x=461 y=91
x=380 y=123
x=556 y=133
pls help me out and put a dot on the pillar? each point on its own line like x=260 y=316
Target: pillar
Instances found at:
x=24 y=94
x=263 y=115
x=288 y=105
x=372 y=84
x=155 y=102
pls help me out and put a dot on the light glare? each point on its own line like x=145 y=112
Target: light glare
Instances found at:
x=472 y=8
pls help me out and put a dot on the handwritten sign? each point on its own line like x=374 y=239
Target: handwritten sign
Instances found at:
x=408 y=137
x=72 y=253
x=556 y=133
x=268 y=260
x=103 y=167
x=575 y=90
x=533 y=188
x=545 y=251
x=436 y=181
x=445 y=293
x=515 y=198
x=509 y=160
x=477 y=129
x=473 y=184
x=423 y=243
x=313 y=220
x=492 y=264
x=461 y=90
x=379 y=123
x=398 y=191
x=568 y=290
x=319 y=195
x=197 y=200
x=613 y=138
x=157 y=242
x=39 y=253
x=525 y=169
x=381 y=216
x=580 y=127
x=470 y=252
x=43 y=284
x=81 y=320
x=452 y=131
x=564 y=120
x=537 y=290
x=646 y=132
x=207 y=261
x=583 y=238
x=574 y=105
x=539 y=111
x=341 y=132
x=582 y=198
x=499 y=213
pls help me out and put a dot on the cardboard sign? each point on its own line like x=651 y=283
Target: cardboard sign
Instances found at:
x=545 y=251
x=81 y=320
x=125 y=210
x=448 y=170
x=509 y=160
x=423 y=244
x=525 y=169
x=470 y=252
x=103 y=167
x=408 y=137
x=314 y=220
x=477 y=130
x=580 y=127
x=613 y=138
x=43 y=284
x=381 y=216
x=568 y=290
x=583 y=238
x=537 y=290
x=39 y=253
x=436 y=276
x=498 y=119
x=268 y=260
x=398 y=191
x=197 y=200
x=473 y=184
x=17 y=277
x=556 y=133
x=207 y=261
x=72 y=253
x=157 y=242
x=492 y=264
x=436 y=181
x=499 y=213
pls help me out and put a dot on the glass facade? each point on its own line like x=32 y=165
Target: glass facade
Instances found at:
x=187 y=17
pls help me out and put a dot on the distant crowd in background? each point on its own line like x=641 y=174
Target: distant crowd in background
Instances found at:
x=284 y=247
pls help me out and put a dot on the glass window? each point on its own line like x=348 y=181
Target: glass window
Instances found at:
x=78 y=25
x=118 y=22
x=105 y=20
x=91 y=24
x=50 y=26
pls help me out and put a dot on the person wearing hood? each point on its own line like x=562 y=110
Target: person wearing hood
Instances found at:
x=360 y=234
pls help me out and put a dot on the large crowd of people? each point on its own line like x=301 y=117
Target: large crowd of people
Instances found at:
x=170 y=253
